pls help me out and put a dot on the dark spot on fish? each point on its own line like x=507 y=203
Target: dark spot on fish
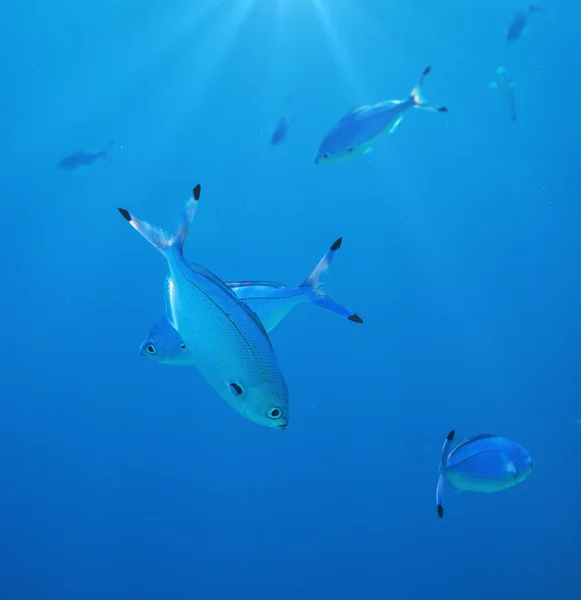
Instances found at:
x=427 y=70
x=355 y=318
x=236 y=389
x=350 y=149
x=442 y=109
x=197 y=191
x=337 y=244
x=125 y=213
x=451 y=435
x=326 y=155
x=183 y=346
x=440 y=511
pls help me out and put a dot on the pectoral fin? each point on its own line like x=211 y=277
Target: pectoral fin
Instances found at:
x=394 y=126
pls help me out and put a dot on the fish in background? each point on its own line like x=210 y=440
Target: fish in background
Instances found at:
x=228 y=343
x=81 y=158
x=360 y=129
x=485 y=463
x=280 y=132
x=271 y=302
x=506 y=87
x=520 y=23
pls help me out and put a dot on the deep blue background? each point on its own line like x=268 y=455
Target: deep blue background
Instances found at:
x=123 y=479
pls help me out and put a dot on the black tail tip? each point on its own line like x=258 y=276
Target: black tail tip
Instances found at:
x=125 y=213
x=196 y=192
x=355 y=318
x=440 y=511
x=337 y=244
x=427 y=70
x=451 y=435
x=443 y=109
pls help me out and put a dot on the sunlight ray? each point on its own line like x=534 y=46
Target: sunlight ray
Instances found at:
x=348 y=70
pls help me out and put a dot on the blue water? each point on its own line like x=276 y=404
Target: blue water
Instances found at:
x=124 y=479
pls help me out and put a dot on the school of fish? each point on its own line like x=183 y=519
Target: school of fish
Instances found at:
x=222 y=328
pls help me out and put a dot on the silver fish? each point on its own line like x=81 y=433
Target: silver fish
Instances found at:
x=485 y=463
x=359 y=130
x=271 y=302
x=231 y=349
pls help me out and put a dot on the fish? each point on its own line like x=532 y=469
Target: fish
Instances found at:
x=506 y=87
x=359 y=130
x=279 y=134
x=229 y=344
x=81 y=158
x=520 y=23
x=271 y=302
x=485 y=463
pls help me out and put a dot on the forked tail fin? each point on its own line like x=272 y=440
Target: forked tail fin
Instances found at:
x=416 y=95
x=158 y=237
x=314 y=283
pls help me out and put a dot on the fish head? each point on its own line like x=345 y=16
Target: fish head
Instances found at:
x=340 y=143
x=524 y=465
x=164 y=345
x=265 y=407
x=66 y=165
x=337 y=156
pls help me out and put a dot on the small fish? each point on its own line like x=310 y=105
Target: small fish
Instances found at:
x=279 y=134
x=358 y=131
x=229 y=344
x=83 y=159
x=485 y=463
x=506 y=87
x=519 y=23
x=271 y=302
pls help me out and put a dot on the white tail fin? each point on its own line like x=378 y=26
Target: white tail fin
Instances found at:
x=416 y=97
x=158 y=237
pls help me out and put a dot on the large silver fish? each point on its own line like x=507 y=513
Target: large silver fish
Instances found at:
x=229 y=345
x=271 y=302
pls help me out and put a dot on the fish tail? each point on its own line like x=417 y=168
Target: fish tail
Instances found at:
x=158 y=237
x=105 y=152
x=314 y=283
x=416 y=95
x=440 y=495
x=440 y=487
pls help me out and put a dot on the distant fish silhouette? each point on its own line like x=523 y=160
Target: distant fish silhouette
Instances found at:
x=520 y=23
x=506 y=87
x=83 y=159
x=279 y=134
x=281 y=130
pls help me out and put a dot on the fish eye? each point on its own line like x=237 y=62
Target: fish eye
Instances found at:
x=274 y=414
x=326 y=155
x=151 y=349
x=531 y=465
